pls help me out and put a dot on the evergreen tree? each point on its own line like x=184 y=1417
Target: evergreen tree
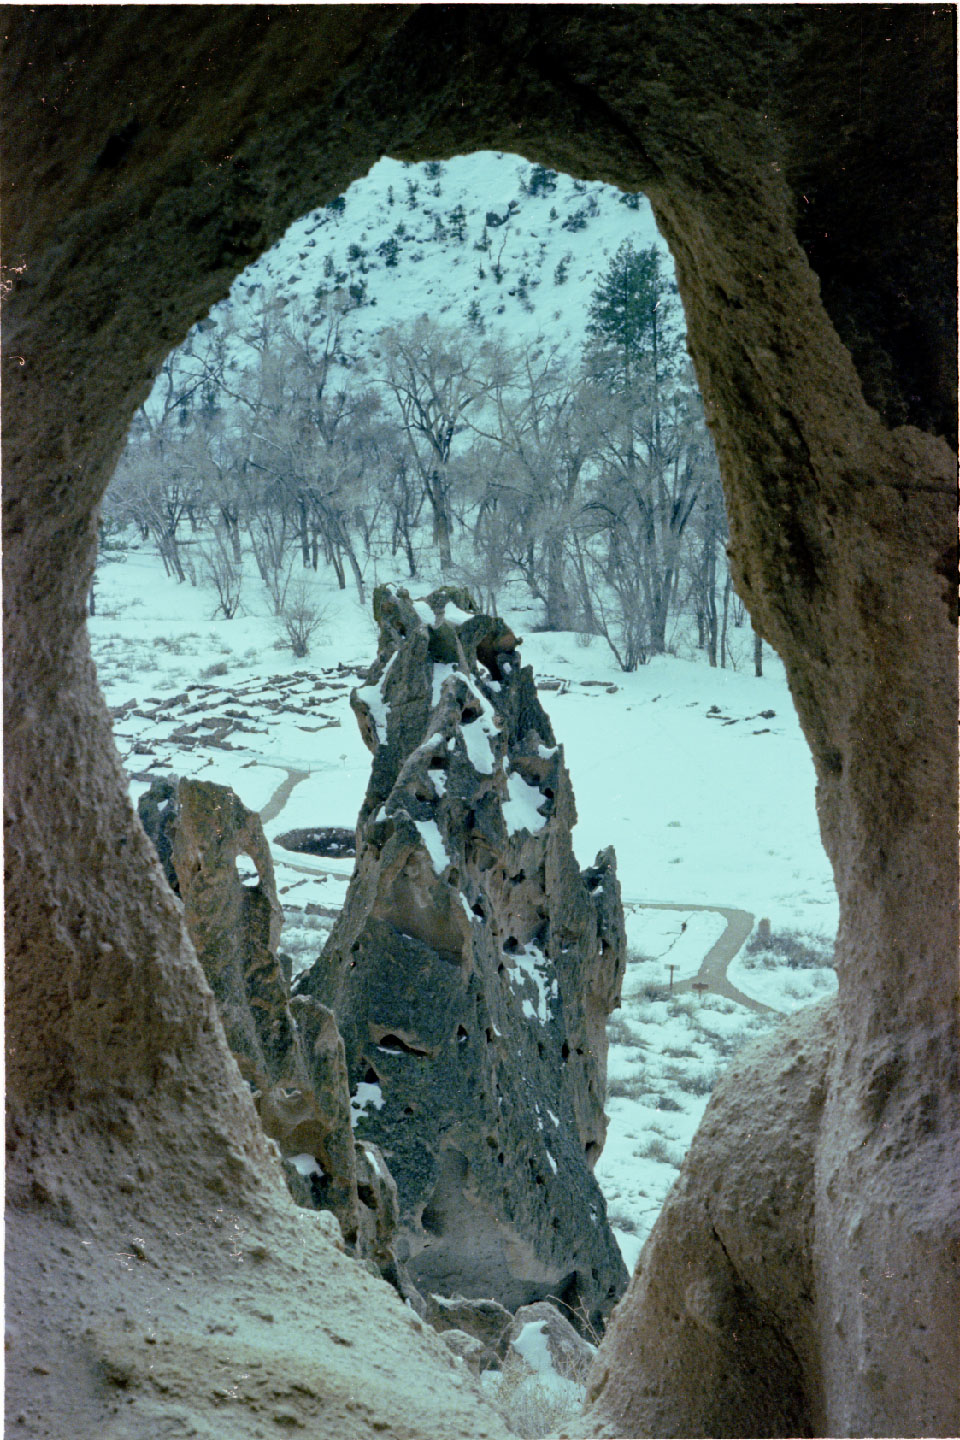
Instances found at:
x=655 y=454
x=541 y=181
x=389 y=250
x=633 y=320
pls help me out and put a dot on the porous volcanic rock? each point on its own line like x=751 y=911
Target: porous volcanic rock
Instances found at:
x=722 y=1306
x=157 y=809
x=235 y=928
x=473 y=967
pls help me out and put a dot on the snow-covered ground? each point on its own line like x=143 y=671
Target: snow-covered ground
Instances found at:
x=707 y=797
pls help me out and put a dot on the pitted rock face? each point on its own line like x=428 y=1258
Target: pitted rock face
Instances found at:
x=157 y=809
x=474 y=966
x=235 y=928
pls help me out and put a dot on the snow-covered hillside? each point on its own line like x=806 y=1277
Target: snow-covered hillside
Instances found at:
x=484 y=241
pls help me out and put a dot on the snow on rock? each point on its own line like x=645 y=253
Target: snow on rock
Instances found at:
x=304 y=1165
x=367 y=1093
x=521 y=811
x=371 y=696
x=531 y=1343
x=532 y=963
x=430 y=835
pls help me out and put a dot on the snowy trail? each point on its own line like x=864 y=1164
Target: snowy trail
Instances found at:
x=282 y=794
x=712 y=974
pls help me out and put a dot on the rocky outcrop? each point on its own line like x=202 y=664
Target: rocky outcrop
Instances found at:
x=474 y=966
x=235 y=927
x=157 y=808
x=470 y=1349
x=546 y=1340
x=773 y=148
x=487 y=1320
x=289 y=1052
x=722 y=1306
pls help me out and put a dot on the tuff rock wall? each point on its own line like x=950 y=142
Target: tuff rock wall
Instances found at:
x=801 y=163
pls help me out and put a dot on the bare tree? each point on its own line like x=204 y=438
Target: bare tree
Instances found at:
x=300 y=618
x=435 y=377
x=224 y=573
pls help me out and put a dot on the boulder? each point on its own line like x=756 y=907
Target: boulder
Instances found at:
x=544 y=1337
x=486 y=1320
x=716 y=1334
x=470 y=1349
x=473 y=968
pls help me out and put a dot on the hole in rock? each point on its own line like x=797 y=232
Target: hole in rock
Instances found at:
x=247 y=872
x=329 y=840
x=396 y=1045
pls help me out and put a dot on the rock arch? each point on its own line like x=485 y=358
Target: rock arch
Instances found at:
x=149 y=153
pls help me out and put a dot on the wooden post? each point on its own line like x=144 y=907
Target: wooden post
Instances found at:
x=672 y=968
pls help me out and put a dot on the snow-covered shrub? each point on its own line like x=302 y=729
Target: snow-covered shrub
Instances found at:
x=532 y=1404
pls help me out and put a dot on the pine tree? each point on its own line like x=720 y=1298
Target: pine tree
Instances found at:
x=653 y=453
x=633 y=321
x=541 y=181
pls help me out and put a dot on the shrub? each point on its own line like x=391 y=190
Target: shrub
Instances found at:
x=300 y=619
x=619 y=1032
x=801 y=952
x=625 y=1087
x=691 y=1082
x=224 y=574
x=532 y=1405
x=655 y=1148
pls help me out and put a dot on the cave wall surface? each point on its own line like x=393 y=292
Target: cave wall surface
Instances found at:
x=801 y=164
